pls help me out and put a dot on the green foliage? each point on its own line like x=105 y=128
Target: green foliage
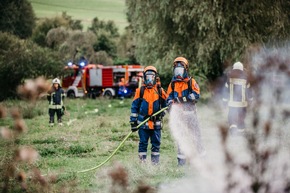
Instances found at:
x=208 y=33
x=87 y=142
x=100 y=26
x=101 y=57
x=44 y=26
x=75 y=44
x=104 y=43
x=17 y=17
x=126 y=48
x=22 y=59
x=107 y=33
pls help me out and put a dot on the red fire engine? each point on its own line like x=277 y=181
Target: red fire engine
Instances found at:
x=94 y=80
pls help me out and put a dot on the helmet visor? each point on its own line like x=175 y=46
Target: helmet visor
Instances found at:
x=179 y=64
x=149 y=78
x=179 y=72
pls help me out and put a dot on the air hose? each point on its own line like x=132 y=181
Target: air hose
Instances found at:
x=120 y=145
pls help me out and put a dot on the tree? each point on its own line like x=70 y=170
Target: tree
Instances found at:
x=17 y=17
x=99 y=27
x=104 y=43
x=107 y=33
x=44 y=26
x=208 y=33
x=22 y=59
x=126 y=48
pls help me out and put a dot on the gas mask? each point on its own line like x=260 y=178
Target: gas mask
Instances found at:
x=179 y=71
x=149 y=79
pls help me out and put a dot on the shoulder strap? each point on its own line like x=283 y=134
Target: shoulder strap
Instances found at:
x=142 y=92
x=159 y=91
x=172 y=86
x=189 y=84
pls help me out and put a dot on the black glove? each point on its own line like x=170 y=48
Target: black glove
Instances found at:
x=134 y=125
x=162 y=114
x=62 y=110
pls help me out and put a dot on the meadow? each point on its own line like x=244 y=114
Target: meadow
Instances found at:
x=84 y=10
x=92 y=130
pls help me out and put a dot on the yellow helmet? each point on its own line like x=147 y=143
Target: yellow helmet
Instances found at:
x=182 y=60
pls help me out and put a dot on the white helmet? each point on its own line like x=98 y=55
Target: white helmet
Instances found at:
x=238 y=66
x=56 y=81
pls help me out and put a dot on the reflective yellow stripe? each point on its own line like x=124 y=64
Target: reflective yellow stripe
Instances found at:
x=55 y=106
x=238 y=104
x=242 y=83
x=51 y=106
x=134 y=115
x=238 y=81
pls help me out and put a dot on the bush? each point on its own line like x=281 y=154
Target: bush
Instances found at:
x=22 y=59
x=17 y=17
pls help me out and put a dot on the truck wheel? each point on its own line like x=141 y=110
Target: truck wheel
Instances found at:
x=108 y=94
x=71 y=94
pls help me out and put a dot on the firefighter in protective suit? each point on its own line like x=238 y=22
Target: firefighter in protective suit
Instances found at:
x=184 y=92
x=237 y=96
x=149 y=99
x=55 y=98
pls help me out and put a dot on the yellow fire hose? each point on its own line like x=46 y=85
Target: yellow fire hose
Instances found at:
x=120 y=145
x=117 y=149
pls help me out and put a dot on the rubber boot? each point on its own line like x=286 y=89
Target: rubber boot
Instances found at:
x=59 y=121
x=181 y=162
x=233 y=130
x=51 y=122
x=142 y=158
x=154 y=159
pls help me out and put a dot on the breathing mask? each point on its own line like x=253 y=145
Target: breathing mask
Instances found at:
x=149 y=79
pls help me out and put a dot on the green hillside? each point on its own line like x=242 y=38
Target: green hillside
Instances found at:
x=84 y=10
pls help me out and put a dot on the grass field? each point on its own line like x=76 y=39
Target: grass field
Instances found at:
x=93 y=129
x=84 y=10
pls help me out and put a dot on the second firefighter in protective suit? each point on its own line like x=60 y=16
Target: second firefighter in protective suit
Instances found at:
x=237 y=96
x=149 y=99
x=183 y=92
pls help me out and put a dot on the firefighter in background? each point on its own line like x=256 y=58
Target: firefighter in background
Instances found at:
x=184 y=92
x=122 y=82
x=237 y=96
x=55 y=98
x=148 y=100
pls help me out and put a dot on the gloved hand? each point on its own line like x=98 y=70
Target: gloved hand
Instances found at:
x=169 y=103
x=134 y=125
x=191 y=97
x=162 y=114
x=62 y=110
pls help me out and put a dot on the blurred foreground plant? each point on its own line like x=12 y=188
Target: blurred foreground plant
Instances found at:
x=267 y=139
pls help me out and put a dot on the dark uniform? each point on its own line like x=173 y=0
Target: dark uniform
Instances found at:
x=237 y=96
x=55 y=98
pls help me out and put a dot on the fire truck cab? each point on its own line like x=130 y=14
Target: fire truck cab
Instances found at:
x=93 y=80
